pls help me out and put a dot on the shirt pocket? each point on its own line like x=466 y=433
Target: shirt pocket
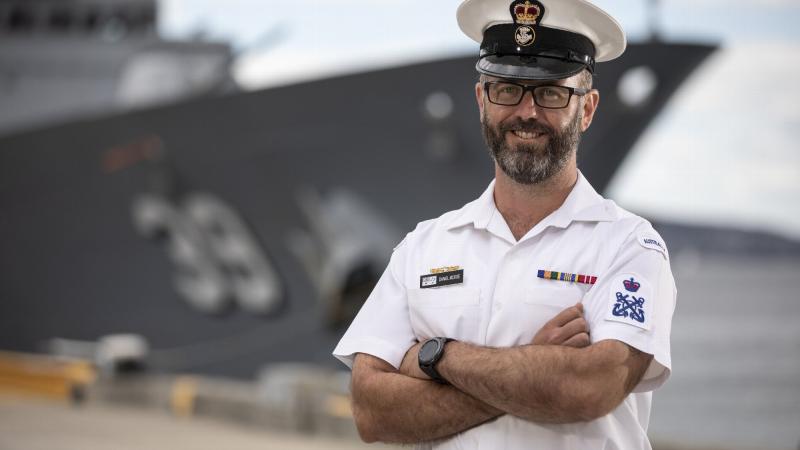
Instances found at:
x=446 y=312
x=519 y=321
x=558 y=296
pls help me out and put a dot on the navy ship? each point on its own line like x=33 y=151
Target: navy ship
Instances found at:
x=228 y=229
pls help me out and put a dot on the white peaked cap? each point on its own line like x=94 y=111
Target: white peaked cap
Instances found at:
x=559 y=36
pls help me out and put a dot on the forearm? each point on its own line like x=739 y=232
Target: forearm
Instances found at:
x=546 y=384
x=392 y=407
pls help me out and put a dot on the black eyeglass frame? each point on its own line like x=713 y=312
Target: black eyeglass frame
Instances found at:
x=532 y=88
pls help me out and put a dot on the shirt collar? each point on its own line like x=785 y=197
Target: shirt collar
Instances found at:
x=583 y=204
x=478 y=212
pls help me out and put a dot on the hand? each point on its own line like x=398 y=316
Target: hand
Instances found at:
x=410 y=365
x=567 y=328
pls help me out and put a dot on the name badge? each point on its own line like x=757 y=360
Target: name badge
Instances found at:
x=441 y=279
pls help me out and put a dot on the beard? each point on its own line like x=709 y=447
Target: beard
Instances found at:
x=530 y=164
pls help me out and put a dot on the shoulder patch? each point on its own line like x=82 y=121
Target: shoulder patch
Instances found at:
x=653 y=242
x=630 y=300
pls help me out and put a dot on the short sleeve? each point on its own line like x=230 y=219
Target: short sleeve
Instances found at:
x=382 y=327
x=634 y=301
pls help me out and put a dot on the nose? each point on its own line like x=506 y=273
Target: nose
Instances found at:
x=527 y=106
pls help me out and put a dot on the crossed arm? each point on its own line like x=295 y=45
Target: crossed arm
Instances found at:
x=559 y=378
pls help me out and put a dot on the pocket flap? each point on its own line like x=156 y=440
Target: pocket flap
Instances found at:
x=444 y=297
x=565 y=296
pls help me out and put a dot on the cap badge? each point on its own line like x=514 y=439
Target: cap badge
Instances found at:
x=524 y=35
x=526 y=15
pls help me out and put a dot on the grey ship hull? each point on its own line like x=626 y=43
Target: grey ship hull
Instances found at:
x=75 y=264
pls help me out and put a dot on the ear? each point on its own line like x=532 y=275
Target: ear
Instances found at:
x=590 y=103
x=479 y=97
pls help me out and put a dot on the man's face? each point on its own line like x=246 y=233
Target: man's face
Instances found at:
x=530 y=144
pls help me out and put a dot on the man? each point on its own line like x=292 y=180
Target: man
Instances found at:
x=538 y=315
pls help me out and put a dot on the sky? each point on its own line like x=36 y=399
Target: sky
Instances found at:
x=723 y=152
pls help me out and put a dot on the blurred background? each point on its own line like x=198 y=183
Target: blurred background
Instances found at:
x=197 y=195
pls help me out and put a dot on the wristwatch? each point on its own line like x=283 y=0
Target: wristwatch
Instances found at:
x=430 y=353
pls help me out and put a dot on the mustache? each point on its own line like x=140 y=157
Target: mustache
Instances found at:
x=531 y=126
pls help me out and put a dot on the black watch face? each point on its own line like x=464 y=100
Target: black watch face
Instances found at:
x=428 y=351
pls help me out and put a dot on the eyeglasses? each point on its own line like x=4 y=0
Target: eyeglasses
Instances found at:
x=547 y=96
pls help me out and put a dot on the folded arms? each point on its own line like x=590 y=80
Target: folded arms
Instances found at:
x=558 y=378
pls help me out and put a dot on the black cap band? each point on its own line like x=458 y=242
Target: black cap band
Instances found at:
x=498 y=40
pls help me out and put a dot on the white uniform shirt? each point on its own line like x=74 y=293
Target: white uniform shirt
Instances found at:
x=503 y=302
